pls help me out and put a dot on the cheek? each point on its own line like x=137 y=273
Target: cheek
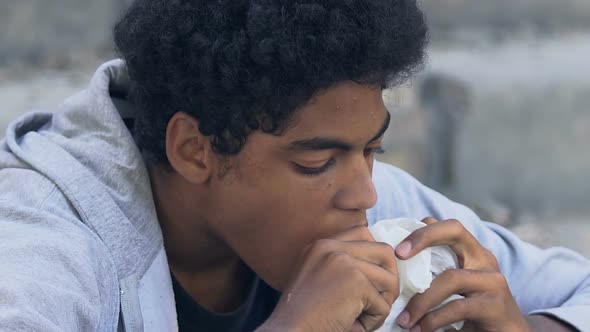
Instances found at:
x=272 y=224
x=270 y=213
x=322 y=188
x=270 y=241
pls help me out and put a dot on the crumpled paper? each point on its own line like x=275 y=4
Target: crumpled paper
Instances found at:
x=415 y=274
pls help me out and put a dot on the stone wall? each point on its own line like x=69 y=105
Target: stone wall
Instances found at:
x=56 y=33
x=524 y=145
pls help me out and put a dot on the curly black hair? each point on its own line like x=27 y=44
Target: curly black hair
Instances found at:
x=244 y=65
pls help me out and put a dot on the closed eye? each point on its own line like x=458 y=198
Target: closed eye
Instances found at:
x=311 y=171
x=376 y=150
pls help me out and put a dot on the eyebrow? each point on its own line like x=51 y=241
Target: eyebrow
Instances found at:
x=328 y=143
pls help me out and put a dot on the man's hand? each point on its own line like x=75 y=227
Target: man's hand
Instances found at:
x=345 y=283
x=488 y=304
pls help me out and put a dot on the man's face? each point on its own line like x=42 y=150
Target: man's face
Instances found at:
x=282 y=193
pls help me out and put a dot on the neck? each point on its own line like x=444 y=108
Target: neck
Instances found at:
x=219 y=289
x=208 y=269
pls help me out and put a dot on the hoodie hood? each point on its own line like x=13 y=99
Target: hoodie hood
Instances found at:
x=87 y=151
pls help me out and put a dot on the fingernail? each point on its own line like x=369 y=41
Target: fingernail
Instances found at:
x=403 y=319
x=404 y=248
x=416 y=328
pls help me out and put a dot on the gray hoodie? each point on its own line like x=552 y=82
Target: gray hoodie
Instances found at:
x=81 y=247
x=78 y=227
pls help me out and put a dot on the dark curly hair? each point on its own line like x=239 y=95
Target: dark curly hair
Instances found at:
x=245 y=65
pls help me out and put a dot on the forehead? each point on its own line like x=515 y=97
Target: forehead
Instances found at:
x=348 y=110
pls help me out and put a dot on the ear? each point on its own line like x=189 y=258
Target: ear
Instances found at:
x=188 y=150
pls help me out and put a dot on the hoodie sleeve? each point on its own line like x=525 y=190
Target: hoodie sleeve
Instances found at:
x=554 y=281
x=52 y=277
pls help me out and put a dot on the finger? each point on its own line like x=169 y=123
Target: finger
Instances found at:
x=453 y=312
x=429 y=220
x=378 y=253
x=368 y=279
x=385 y=282
x=359 y=233
x=375 y=311
x=449 y=232
x=450 y=282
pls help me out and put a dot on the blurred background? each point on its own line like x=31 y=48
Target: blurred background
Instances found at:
x=498 y=119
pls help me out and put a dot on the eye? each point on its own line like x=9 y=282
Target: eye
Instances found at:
x=376 y=150
x=312 y=171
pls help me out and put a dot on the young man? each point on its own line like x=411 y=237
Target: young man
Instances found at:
x=222 y=177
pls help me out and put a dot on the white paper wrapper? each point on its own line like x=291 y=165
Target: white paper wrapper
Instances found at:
x=415 y=274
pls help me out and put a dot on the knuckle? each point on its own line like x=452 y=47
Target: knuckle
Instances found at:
x=387 y=251
x=499 y=279
x=453 y=276
x=454 y=222
x=390 y=294
x=429 y=220
x=338 y=258
x=457 y=227
x=493 y=260
x=416 y=306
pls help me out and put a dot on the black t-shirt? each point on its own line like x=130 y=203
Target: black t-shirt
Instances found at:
x=260 y=303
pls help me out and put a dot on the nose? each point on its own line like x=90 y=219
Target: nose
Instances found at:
x=359 y=192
